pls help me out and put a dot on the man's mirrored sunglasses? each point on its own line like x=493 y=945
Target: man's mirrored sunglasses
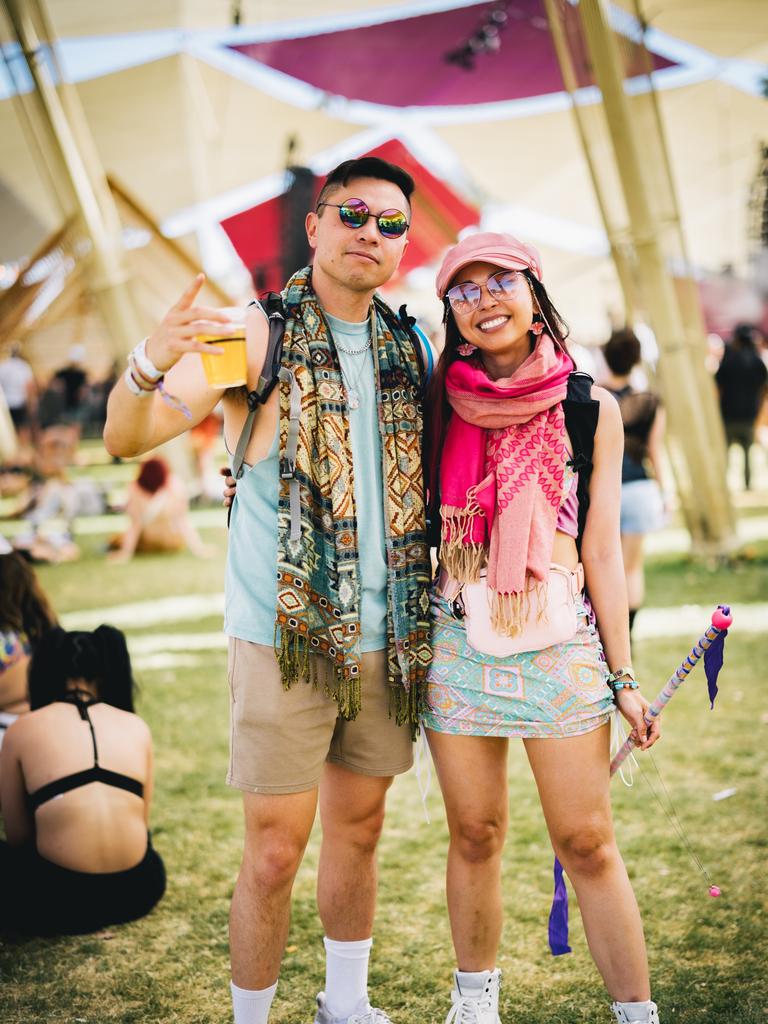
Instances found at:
x=353 y=213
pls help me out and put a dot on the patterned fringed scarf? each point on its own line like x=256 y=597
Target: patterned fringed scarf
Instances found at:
x=318 y=591
x=502 y=478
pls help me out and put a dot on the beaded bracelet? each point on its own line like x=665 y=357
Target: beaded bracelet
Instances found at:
x=622 y=678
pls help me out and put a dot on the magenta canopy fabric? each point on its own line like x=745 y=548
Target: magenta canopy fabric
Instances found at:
x=403 y=63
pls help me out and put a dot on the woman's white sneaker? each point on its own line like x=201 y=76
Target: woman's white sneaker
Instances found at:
x=636 y=1013
x=477 y=1004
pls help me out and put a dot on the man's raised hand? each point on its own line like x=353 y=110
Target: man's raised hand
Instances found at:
x=177 y=331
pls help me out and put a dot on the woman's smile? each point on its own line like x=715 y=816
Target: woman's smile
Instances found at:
x=492 y=323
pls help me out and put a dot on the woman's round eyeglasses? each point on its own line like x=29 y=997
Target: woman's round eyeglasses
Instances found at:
x=506 y=284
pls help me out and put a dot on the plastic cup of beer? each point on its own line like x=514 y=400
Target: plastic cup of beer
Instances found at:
x=227 y=369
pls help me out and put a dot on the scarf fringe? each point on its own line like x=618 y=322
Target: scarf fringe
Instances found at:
x=463 y=560
x=408 y=706
x=295 y=664
x=510 y=612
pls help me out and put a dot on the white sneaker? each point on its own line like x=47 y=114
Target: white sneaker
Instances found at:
x=622 y=1018
x=477 y=1007
x=364 y=1014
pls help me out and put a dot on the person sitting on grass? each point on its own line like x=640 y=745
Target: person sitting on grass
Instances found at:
x=75 y=791
x=25 y=616
x=158 y=513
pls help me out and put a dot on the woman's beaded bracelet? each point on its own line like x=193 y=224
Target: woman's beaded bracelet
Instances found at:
x=623 y=678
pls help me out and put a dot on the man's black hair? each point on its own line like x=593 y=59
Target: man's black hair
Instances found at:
x=367 y=167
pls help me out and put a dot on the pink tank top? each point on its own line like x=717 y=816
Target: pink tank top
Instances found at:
x=568 y=513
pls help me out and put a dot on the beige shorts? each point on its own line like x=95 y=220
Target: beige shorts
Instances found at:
x=280 y=739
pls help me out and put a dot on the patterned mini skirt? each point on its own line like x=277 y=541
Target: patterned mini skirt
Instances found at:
x=559 y=691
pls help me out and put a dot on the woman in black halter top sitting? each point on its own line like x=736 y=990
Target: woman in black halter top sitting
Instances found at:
x=75 y=789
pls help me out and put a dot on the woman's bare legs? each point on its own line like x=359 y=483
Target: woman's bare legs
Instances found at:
x=473 y=777
x=573 y=782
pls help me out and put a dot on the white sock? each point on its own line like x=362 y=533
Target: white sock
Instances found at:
x=471 y=983
x=346 y=975
x=637 y=1011
x=251 y=1006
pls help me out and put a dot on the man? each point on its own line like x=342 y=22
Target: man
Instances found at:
x=327 y=575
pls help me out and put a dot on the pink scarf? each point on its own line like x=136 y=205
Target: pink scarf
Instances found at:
x=502 y=476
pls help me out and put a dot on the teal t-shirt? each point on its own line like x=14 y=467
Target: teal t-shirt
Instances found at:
x=251 y=574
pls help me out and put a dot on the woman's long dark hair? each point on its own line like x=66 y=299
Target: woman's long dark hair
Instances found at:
x=100 y=657
x=437 y=411
x=24 y=608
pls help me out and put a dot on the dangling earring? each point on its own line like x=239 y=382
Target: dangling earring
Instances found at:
x=538 y=325
x=466 y=348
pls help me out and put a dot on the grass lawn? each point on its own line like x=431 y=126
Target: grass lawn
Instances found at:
x=707 y=956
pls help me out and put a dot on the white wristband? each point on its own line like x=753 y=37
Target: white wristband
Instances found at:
x=132 y=386
x=144 y=363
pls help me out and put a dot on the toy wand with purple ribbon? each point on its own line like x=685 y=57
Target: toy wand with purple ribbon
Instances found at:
x=710 y=647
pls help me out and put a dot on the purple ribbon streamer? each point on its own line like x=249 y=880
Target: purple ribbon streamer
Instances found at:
x=558 y=915
x=713 y=662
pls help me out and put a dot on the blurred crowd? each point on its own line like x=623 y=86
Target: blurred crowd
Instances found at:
x=49 y=419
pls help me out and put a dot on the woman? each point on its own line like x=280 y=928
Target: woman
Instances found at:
x=642 y=504
x=516 y=495
x=158 y=513
x=25 y=616
x=75 y=790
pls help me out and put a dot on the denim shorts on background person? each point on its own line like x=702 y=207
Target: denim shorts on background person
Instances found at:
x=642 y=508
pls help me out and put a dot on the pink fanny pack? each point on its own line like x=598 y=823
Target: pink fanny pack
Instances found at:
x=558 y=623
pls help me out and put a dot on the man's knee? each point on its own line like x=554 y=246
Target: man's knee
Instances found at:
x=276 y=833
x=271 y=859
x=358 y=821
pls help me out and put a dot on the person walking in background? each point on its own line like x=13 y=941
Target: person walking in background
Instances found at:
x=17 y=382
x=75 y=792
x=72 y=378
x=642 y=490
x=741 y=382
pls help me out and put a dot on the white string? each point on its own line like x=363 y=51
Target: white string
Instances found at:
x=618 y=738
x=423 y=754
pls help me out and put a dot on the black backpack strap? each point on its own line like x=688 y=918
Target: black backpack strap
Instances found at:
x=581 y=414
x=272 y=305
x=408 y=322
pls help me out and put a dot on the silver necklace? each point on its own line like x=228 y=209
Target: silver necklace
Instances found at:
x=350 y=389
x=354 y=351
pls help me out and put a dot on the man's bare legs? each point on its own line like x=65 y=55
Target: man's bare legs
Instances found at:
x=352 y=814
x=277 y=829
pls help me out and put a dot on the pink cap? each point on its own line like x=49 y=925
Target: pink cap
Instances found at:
x=487 y=247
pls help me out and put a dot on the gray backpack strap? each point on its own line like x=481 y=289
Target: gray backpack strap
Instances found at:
x=242 y=443
x=269 y=374
x=288 y=460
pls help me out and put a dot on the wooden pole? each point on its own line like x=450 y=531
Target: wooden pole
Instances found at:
x=711 y=522
x=107 y=275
